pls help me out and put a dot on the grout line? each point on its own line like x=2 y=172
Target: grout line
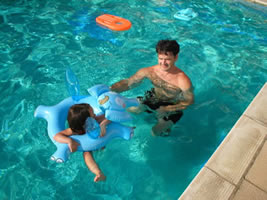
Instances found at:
x=220 y=176
x=253 y=160
x=249 y=166
x=236 y=187
x=256 y=186
x=256 y=120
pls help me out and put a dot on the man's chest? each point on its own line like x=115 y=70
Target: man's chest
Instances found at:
x=164 y=81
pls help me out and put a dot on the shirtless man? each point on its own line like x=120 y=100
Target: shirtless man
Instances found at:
x=172 y=90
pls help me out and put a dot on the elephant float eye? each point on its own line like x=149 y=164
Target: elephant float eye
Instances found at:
x=103 y=101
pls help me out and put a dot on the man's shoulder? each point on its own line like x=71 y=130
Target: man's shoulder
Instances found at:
x=184 y=81
x=146 y=70
x=150 y=68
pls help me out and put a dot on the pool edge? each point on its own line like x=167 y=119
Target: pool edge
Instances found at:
x=261 y=2
x=235 y=171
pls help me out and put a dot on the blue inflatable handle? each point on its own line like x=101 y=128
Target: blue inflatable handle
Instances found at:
x=97 y=90
x=72 y=84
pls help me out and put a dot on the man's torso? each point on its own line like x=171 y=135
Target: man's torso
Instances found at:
x=166 y=86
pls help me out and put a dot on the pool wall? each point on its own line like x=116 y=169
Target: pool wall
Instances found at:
x=237 y=169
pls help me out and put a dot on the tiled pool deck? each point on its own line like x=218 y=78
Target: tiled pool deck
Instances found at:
x=238 y=168
x=262 y=2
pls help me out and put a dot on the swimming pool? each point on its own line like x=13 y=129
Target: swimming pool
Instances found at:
x=223 y=50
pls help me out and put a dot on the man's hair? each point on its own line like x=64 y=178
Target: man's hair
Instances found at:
x=77 y=116
x=164 y=46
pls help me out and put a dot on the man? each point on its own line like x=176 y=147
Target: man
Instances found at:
x=172 y=90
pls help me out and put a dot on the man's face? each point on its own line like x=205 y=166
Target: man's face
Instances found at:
x=166 y=60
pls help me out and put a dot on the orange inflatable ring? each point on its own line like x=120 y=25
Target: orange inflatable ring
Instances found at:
x=114 y=22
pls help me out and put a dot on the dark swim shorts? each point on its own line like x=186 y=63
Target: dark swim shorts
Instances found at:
x=153 y=103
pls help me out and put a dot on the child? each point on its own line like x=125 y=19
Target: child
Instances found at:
x=77 y=116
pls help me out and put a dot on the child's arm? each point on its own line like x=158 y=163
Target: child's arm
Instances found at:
x=103 y=125
x=93 y=167
x=63 y=137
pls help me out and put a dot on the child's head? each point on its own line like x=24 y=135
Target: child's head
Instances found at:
x=77 y=116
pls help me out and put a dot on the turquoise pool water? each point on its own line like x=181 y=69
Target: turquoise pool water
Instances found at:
x=223 y=50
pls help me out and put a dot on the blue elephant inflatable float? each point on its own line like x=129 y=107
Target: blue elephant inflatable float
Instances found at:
x=103 y=101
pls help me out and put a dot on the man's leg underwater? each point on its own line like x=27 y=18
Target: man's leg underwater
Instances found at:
x=161 y=127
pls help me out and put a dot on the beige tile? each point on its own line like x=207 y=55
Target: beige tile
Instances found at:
x=258 y=172
x=258 y=108
x=262 y=2
x=247 y=191
x=232 y=158
x=208 y=186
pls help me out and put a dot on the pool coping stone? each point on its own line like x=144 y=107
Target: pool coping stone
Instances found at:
x=262 y=2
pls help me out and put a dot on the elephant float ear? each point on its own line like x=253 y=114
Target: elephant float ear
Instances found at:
x=92 y=127
x=72 y=84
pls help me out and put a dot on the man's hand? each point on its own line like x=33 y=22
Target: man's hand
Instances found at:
x=161 y=111
x=120 y=86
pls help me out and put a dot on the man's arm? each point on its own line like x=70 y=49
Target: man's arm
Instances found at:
x=186 y=99
x=133 y=81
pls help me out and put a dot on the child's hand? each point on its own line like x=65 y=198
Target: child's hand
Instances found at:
x=161 y=112
x=103 y=125
x=103 y=130
x=100 y=177
x=73 y=145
